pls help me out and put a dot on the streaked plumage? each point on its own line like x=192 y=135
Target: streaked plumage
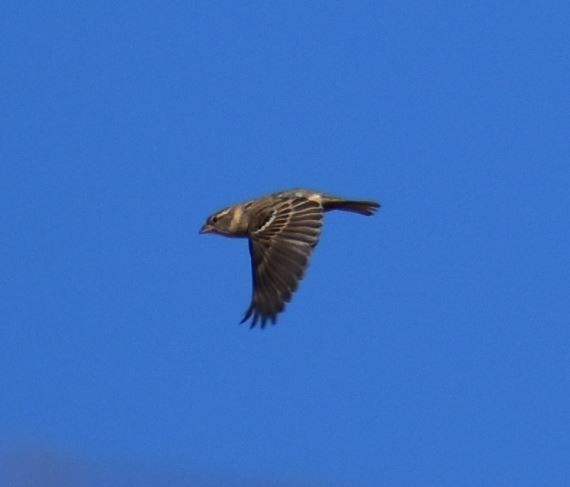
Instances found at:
x=282 y=228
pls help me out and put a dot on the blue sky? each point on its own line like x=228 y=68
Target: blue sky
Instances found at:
x=427 y=345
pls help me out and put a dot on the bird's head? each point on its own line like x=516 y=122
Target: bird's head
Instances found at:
x=224 y=222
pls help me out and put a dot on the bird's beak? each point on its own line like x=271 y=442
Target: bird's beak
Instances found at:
x=207 y=229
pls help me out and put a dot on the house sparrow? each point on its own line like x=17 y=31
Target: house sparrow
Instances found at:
x=282 y=229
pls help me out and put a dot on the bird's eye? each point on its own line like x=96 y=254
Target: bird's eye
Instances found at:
x=214 y=218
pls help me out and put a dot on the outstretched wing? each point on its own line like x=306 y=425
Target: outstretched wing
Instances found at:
x=280 y=247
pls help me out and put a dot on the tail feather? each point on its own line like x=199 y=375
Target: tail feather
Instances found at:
x=362 y=207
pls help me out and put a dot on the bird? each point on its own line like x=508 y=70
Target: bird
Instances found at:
x=282 y=228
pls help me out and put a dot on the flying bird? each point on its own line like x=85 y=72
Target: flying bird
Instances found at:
x=283 y=228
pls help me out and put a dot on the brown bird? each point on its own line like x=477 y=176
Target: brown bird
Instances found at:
x=282 y=228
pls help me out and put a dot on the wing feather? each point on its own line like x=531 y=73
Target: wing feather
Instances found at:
x=280 y=248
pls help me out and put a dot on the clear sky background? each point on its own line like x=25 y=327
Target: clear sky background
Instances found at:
x=428 y=345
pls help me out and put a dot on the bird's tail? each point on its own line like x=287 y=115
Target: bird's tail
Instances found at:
x=362 y=207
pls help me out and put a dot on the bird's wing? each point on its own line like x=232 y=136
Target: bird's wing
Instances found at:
x=280 y=247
